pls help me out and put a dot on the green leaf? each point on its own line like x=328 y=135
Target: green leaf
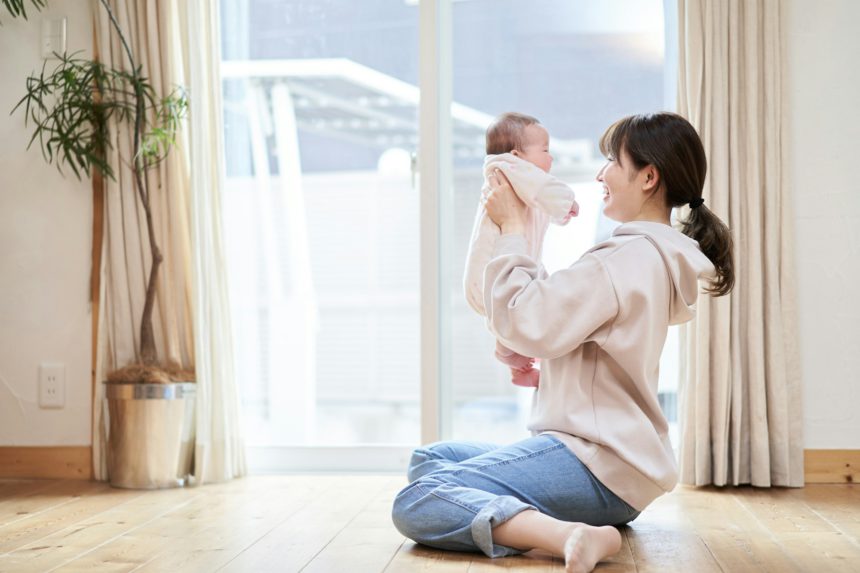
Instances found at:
x=74 y=107
x=18 y=7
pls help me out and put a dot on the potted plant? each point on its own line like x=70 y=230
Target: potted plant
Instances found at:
x=73 y=108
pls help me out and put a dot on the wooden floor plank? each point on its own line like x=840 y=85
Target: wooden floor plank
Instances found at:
x=779 y=511
x=412 y=557
x=811 y=542
x=837 y=504
x=821 y=552
x=202 y=535
x=17 y=488
x=663 y=539
x=92 y=500
x=145 y=541
x=44 y=496
x=738 y=542
x=317 y=524
x=300 y=536
x=368 y=542
x=75 y=541
x=531 y=562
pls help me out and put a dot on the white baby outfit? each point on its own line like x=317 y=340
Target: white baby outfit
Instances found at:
x=549 y=200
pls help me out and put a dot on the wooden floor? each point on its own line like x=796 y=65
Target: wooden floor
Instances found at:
x=341 y=524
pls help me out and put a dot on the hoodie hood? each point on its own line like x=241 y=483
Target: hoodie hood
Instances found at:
x=685 y=263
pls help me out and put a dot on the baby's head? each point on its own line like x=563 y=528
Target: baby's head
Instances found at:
x=523 y=136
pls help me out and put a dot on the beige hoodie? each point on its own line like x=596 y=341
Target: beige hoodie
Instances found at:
x=599 y=327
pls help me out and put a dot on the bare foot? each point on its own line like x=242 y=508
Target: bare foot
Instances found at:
x=587 y=545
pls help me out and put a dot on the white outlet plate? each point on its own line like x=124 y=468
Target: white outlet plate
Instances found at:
x=53 y=37
x=52 y=385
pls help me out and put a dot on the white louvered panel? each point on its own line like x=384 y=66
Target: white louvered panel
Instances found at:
x=477 y=373
x=399 y=347
x=398 y=239
x=340 y=241
x=346 y=357
x=468 y=191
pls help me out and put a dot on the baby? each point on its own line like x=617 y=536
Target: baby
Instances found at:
x=518 y=146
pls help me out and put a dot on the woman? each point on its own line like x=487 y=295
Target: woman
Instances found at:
x=599 y=451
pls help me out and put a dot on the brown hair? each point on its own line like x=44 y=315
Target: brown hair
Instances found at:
x=669 y=143
x=506 y=132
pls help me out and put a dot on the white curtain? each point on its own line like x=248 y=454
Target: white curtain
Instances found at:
x=219 y=452
x=740 y=389
x=176 y=43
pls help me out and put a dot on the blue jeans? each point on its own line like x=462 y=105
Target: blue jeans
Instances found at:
x=460 y=491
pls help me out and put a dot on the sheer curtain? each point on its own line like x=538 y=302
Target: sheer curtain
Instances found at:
x=219 y=453
x=740 y=387
x=176 y=43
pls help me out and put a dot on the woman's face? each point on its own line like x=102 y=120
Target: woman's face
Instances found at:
x=623 y=187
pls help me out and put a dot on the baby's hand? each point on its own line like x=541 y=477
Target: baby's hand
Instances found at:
x=573 y=212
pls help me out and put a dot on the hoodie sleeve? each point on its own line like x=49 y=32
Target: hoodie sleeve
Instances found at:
x=546 y=316
x=538 y=189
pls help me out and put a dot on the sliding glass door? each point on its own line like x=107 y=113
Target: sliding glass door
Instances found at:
x=320 y=123
x=347 y=233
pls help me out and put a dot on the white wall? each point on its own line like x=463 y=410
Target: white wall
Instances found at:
x=824 y=93
x=45 y=237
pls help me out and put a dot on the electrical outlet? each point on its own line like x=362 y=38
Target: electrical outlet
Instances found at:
x=52 y=385
x=53 y=36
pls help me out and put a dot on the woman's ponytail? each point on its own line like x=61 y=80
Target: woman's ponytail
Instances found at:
x=715 y=241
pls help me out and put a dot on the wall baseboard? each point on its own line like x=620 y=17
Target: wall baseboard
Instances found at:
x=831 y=466
x=75 y=462
x=53 y=462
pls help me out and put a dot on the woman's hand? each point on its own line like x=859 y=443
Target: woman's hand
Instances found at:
x=503 y=206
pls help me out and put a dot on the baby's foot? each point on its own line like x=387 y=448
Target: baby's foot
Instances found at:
x=527 y=378
x=587 y=545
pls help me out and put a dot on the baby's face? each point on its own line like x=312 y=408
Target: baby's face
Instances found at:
x=536 y=146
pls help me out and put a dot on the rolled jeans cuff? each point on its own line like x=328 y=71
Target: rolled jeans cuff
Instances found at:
x=498 y=511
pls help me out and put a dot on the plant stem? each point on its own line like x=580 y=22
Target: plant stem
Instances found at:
x=120 y=34
x=148 y=352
